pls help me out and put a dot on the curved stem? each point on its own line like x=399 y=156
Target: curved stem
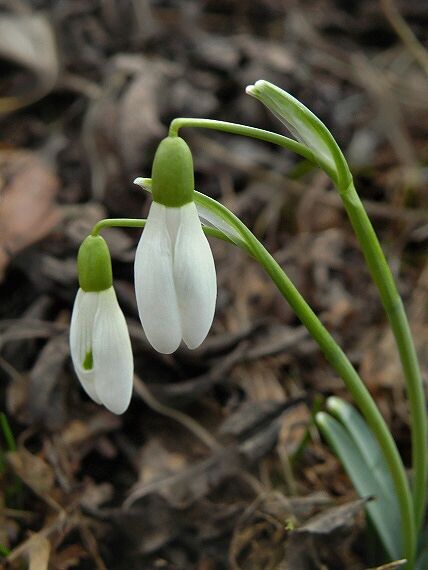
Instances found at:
x=252 y=132
x=117 y=223
x=394 y=309
x=339 y=361
x=140 y=223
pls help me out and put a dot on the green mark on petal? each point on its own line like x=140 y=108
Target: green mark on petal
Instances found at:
x=88 y=363
x=173 y=181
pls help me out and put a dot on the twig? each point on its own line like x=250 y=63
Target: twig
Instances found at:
x=405 y=33
x=189 y=423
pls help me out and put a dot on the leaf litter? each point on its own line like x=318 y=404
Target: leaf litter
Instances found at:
x=216 y=464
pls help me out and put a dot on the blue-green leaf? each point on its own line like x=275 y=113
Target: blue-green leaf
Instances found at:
x=382 y=510
x=367 y=444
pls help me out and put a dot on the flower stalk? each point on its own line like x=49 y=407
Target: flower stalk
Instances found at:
x=254 y=133
x=412 y=504
x=341 y=364
x=396 y=314
x=313 y=133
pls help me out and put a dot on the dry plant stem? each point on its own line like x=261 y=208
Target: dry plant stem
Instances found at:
x=189 y=423
x=394 y=309
x=342 y=365
x=405 y=33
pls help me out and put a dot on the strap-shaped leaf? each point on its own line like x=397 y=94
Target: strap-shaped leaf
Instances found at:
x=382 y=510
x=422 y=560
x=366 y=442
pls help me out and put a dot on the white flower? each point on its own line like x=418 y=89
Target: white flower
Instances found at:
x=101 y=349
x=175 y=279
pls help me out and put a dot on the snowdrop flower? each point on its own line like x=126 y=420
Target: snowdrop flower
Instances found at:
x=175 y=278
x=99 y=339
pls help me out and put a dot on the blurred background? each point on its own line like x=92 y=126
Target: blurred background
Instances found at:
x=217 y=460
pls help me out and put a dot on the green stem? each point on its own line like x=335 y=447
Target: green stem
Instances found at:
x=7 y=432
x=394 y=309
x=339 y=361
x=4 y=550
x=140 y=223
x=117 y=223
x=317 y=406
x=384 y=281
x=252 y=132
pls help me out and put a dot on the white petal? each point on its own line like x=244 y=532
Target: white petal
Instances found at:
x=82 y=320
x=112 y=354
x=154 y=284
x=173 y=221
x=194 y=277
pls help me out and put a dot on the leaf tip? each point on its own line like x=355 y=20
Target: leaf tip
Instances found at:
x=334 y=404
x=321 y=418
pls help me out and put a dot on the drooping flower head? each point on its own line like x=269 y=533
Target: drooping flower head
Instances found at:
x=175 y=279
x=99 y=339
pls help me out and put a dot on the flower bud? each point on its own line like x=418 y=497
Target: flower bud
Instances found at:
x=94 y=265
x=172 y=173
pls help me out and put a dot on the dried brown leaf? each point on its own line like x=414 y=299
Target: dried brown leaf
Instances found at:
x=333 y=520
x=33 y=470
x=186 y=486
x=28 y=41
x=43 y=379
x=28 y=212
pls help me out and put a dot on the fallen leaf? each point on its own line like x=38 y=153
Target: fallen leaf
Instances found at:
x=28 y=41
x=35 y=472
x=44 y=378
x=28 y=212
x=333 y=520
x=323 y=537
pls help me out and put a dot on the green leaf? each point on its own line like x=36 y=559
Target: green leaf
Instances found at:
x=7 y=432
x=383 y=511
x=422 y=559
x=367 y=444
